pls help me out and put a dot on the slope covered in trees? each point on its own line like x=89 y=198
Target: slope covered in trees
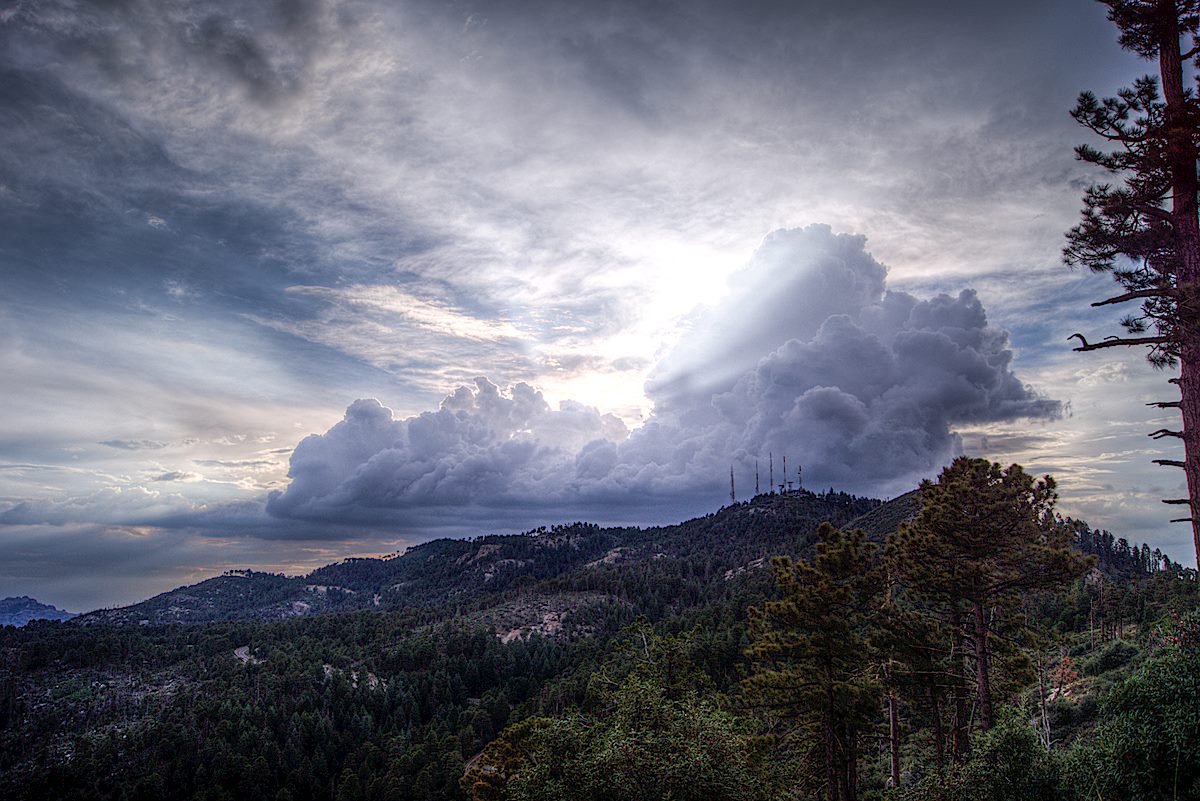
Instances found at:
x=619 y=655
x=472 y=573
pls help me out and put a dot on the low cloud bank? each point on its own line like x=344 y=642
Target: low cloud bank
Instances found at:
x=808 y=355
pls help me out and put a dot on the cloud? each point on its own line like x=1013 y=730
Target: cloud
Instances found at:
x=810 y=355
x=480 y=446
x=580 y=174
x=134 y=444
x=119 y=505
x=241 y=463
x=178 y=475
x=430 y=315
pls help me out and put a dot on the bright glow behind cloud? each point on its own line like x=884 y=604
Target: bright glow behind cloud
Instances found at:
x=809 y=355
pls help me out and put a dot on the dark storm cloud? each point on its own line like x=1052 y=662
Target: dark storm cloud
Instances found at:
x=811 y=356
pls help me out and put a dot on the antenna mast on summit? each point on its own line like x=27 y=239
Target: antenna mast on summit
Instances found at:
x=783 y=488
x=732 y=493
x=755 y=478
x=771 y=483
x=799 y=480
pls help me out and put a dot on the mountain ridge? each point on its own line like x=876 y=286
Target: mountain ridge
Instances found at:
x=477 y=572
x=21 y=609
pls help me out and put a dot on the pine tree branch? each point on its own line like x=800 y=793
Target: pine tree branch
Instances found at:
x=1162 y=432
x=1125 y=137
x=1176 y=501
x=1168 y=462
x=1112 y=342
x=1165 y=404
x=1140 y=293
x=1153 y=211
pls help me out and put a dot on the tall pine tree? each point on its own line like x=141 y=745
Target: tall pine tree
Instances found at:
x=985 y=536
x=1144 y=230
x=814 y=652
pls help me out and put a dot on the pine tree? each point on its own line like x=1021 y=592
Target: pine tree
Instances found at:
x=984 y=537
x=814 y=649
x=1145 y=231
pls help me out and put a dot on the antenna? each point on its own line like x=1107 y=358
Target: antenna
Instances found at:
x=783 y=488
x=771 y=483
x=732 y=493
x=755 y=478
x=799 y=480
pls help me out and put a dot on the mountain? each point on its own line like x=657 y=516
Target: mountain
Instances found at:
x=20 y=610
x=432 y=655
x=476 y=573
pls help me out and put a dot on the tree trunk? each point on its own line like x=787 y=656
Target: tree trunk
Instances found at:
x=894 y=737
x=831 y=768
x=851 y=764
x=1189 y=386
x=1091 y=625
x=983 y=687
x=1181 y=158
x=1041 y=667
x=962 y=742
x=939 y=738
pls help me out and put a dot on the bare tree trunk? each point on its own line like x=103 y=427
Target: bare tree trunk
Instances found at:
x=1189 y=386
x=1181 y=157
x=983 y=687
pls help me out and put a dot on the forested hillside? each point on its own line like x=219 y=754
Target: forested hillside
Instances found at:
x=585 y=662
x=433 y=653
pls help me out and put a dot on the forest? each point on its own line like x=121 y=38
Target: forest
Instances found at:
x=962 y=642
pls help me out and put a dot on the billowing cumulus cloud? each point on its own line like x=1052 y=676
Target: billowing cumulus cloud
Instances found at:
x=809 y=355
x=480 y=446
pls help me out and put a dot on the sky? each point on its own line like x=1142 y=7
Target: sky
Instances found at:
x=286 y=282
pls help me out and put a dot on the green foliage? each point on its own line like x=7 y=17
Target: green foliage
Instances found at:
x=657 y=732
x=1141 y=228
x=984 y=533
x=985 y=539
x=1115 y=655
x=1146 y=747
x=816 y=648
x=1008 y=763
